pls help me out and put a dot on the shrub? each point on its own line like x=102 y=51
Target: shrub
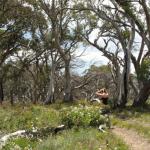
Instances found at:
x=83 y=116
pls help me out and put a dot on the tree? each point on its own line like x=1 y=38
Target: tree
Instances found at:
x=14 y=30
x=63 y=38
x=107 y=21
x=143 y=29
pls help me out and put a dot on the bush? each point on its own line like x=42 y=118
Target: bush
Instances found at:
x=83 y=116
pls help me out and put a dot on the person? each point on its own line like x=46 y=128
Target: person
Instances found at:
x=103 y=95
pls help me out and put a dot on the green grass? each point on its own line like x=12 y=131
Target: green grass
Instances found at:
x=27 y=117
x=20 y=144
x=82 y=139
x=137 y=119
x=138 y=127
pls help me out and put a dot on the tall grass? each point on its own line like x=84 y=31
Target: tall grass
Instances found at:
x=18 y=117
x=82 y=139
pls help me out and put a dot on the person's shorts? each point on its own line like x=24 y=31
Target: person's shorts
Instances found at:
x=105 y=101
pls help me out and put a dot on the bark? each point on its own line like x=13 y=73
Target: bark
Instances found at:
x=126 y=77
x=11 y=98
x=1 y=91
x=35 y=97
x=67 y=91
x=143 y=95
x=135 y=89
x=36 y=133
x=121 y=99
x=124 y=84
x=50 y=96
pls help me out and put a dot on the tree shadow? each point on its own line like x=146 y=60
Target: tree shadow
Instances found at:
x=130 y=112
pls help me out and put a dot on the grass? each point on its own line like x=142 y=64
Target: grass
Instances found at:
x=20 y=144
x=138 y=127
x=137 y=119
x=82 y=139
x=26 y=117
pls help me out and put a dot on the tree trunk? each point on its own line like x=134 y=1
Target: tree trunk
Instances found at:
x=121 y=101
x=67 y=91
x=50 y=96
x=1 y=91
x=34 y=92
x=143 y=95
x=11 y=98
x=119 y=98
x=124 y=85
x=135 y=89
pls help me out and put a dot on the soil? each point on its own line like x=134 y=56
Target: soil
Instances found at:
x=132 y=139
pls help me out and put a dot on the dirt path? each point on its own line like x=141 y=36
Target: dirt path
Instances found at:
x=139 y=122
x=131 y=138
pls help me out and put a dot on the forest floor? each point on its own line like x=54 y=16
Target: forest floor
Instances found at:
x=133 y=126
x=130 y=129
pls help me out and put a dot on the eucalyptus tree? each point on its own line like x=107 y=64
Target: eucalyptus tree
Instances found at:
x=63 y=36
x=140 y=14
x=53 y=61
x=16 y=21
x=10 y=33
x=104 y=20
x=126 y=18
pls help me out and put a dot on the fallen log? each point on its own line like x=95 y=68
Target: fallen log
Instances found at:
x=5 y=138
x=35 y=133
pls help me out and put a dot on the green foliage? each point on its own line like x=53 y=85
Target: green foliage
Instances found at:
x=101 y=69
x=79 y=5
x=83 y=116
x=144 y=71
x=27 y=118
x=126 y=34
x=20 y=144
x=39 y=116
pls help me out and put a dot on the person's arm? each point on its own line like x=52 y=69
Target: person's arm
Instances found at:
x=97 y=93
x=105 y=95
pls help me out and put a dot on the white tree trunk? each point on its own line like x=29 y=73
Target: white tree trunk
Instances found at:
x=67 y=91
x=51 y=89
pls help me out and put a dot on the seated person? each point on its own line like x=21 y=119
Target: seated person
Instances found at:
x=103 y=95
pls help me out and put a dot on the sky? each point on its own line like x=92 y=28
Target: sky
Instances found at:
x=90 y=56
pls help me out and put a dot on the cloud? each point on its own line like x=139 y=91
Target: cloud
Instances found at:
x=93 y=56
x=89 y=56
